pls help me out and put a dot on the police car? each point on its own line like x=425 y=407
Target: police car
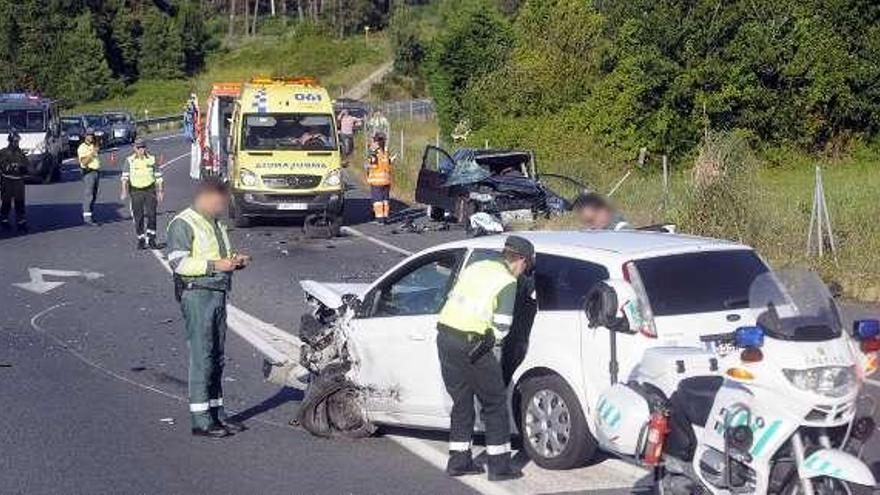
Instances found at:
x=382 y=335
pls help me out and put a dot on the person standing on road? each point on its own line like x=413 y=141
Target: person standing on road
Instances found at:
x=595 y=213
x=347 y=121
x=202 y=259
x=379 y=178
x=478 y=314
x=142 y=181
x=13 y=168
x=90 y=166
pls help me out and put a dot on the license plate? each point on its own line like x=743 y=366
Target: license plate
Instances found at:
x=293 y=206
x=118 y=133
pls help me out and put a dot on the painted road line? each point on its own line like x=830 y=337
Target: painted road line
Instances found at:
x=176 y=158
x=378 y=242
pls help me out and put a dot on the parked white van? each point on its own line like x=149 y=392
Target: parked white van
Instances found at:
x=38 y=123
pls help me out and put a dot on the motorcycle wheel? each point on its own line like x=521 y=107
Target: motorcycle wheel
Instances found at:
x=821 y=486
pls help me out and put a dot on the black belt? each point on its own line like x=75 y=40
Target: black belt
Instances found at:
x=459 y=334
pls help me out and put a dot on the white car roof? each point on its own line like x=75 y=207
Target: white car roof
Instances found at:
x=604 y=244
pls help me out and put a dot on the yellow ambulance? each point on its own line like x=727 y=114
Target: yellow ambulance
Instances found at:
x=284 y=154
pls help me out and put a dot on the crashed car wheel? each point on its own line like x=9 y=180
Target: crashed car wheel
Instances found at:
x=334 y=407
x=554 y=431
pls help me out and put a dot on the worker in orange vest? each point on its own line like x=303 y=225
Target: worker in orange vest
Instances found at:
x=379 y=177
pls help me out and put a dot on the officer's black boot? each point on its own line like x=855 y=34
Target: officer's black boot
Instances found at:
x=152 y=244
x=142 y=243
x=461 y=463
x=4 y=224
x=501 y=468
x=218 y=414
x=22 y=227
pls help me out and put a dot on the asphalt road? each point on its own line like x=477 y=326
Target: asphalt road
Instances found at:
x=93 y=372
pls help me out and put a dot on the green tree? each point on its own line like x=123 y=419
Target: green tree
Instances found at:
x=193 y=35
x=477 y=41
x=162 y=52
x=87 y=76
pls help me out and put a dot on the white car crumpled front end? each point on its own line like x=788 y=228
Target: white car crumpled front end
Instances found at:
x=334 y=404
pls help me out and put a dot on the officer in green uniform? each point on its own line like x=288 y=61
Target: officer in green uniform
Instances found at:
x=142 y=181
x=90 y=165
x=203 y=260
x=13 y=168
x=477 y=314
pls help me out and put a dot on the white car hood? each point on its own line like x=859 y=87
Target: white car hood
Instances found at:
x=330 y=294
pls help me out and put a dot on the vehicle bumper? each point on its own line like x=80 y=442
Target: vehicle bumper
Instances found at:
x=287 y=205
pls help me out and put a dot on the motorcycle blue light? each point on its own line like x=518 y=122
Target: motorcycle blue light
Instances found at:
x=749 y=337
x=866 y=329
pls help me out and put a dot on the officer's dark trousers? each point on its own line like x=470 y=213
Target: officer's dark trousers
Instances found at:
x=13 y=194
x=205 y=315
x=143 y=210
x=91 y=179
x=463 y=381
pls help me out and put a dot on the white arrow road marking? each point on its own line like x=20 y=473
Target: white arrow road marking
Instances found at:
x=40 y=286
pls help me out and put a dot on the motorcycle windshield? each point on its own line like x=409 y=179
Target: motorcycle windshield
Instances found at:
x=795 y=305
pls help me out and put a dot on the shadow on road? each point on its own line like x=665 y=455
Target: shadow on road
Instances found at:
x=59 y=216
x=283 y=396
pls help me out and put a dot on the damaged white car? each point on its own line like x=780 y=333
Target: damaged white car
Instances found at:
x=371 y=352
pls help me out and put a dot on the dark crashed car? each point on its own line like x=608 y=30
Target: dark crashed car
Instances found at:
x=504 y=183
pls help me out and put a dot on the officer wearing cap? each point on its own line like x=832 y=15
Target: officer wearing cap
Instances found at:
x=142 y=181
x=13 y=168
x=477 y=316
x=90 y=165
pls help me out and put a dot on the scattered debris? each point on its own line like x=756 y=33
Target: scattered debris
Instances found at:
x=168 y=421
x=5 y=365
x=167 y=321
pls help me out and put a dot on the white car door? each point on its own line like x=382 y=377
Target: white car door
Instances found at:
x=394 y=341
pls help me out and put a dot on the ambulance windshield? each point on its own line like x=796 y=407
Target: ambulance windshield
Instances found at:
x=288 y=131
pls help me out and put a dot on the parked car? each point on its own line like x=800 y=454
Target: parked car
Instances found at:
x=381 y=335
x=98 y=123
x=121 y=128
x=503 y=183
x=75 y=128
x=36 y=119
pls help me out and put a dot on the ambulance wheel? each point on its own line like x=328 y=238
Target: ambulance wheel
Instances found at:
x=554 y=431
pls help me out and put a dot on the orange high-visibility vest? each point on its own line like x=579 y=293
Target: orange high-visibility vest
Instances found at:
x=379 y=170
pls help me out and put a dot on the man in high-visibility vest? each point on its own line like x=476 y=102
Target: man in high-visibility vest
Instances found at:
x=142 y=181
x=90 y=166
x=202 y=259
x=379 y=178
x=478 y=314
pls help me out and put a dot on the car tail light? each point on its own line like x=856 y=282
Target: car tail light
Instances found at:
x=646 y=326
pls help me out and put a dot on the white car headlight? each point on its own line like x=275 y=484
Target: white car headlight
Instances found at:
x=334 y=178
x=248 y=178
x=830 y=381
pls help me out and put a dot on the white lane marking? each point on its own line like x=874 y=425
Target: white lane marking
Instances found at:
x=164 y=138
x=872 y=382
x=39 y=285
x=176 y=158
x=378 y=242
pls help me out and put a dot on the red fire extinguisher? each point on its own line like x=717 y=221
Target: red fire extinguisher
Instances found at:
x=658 y=428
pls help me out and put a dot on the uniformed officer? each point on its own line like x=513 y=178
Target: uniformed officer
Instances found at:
x=142 y=181
x=379 y=178
x=595 y=213
x=477 y=314
x=13 y=168
x=90 y=165
x=203 y=260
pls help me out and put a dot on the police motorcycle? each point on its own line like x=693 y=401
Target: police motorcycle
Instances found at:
x=770 y=408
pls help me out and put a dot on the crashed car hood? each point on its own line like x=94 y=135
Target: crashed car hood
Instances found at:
x=330 y=294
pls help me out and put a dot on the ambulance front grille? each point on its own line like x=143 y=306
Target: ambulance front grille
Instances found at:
x=291 y=181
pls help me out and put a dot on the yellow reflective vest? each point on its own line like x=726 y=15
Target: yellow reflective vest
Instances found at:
x=473 y=304
x=142 y=172
x=85 y=150
x=206 y=247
